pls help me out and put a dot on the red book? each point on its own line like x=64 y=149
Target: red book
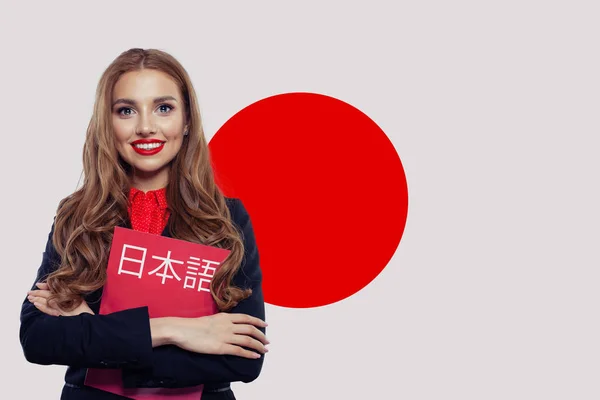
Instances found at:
x=170 y=276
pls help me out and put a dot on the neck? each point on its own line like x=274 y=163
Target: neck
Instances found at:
x=146 y=181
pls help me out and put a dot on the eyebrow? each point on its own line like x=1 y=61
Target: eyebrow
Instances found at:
x=133 y=103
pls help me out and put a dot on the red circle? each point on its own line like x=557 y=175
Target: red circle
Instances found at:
x=325 y=190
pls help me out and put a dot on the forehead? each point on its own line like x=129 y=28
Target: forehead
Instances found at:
x=145 y=83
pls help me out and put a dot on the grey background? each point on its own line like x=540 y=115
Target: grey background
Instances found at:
x=492 y=107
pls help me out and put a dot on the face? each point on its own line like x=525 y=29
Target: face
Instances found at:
x=148 y=120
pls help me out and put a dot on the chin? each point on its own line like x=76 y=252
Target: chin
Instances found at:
x=149 y=167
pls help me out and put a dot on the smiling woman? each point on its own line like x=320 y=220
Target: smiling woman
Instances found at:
x=146 y=166
x=148 y=119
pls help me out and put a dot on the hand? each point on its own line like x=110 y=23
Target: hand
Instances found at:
x=221 y=333
x=39 y=298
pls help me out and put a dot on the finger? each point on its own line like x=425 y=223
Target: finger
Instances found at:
x=238 y=351
x=247 y=319
x=40 y=293
x=41 y=299
x=42 y=285
x=248 y=342
x=36 y=299
x=250 y=330
x=41 y=305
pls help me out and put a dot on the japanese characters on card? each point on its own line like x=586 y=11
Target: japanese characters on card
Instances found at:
x=171 y=277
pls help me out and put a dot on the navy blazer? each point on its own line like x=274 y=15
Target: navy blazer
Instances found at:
x=122 y=339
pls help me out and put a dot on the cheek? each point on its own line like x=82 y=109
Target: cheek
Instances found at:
x=122 y=130
x=173 y=130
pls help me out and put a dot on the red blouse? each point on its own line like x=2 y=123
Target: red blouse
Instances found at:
x=148 y=211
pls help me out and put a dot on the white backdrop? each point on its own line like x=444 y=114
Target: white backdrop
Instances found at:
x=493 y=109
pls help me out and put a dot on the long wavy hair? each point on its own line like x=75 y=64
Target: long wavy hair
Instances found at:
x=84 y=223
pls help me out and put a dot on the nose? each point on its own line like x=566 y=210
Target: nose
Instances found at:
x=145 y=126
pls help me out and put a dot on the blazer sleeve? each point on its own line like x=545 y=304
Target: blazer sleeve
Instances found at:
x=91 y=341
x=175 y=367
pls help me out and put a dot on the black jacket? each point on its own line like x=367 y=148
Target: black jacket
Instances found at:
x=122 y=339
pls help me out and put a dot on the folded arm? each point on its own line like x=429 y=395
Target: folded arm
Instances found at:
x=85 y=340
x=175 y=367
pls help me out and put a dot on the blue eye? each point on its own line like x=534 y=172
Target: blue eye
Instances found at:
x=165 y=108
x=125 y=111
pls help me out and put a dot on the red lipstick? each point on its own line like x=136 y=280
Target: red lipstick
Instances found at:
x=148 y=147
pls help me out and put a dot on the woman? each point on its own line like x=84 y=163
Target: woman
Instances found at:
x=146 y=167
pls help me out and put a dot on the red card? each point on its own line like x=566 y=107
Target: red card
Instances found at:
x=170 y=276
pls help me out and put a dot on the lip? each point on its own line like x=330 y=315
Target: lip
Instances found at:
x=149 y=152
